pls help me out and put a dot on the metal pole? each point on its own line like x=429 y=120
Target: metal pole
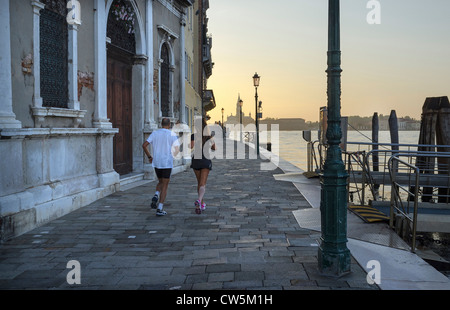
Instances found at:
x=256 y=121
x=333 y=255
x=240 y=122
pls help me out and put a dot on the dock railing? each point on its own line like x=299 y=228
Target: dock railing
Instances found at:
x=314 y=162
x=402 y=180
x=397 y=206
x=408 y=179
x=368 y=167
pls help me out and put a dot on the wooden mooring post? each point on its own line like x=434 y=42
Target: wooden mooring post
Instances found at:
x=434 y=130
x=375 y=157
x=393 y=129
x=443 y=138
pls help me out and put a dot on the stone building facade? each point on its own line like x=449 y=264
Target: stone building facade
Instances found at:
x=84 y=83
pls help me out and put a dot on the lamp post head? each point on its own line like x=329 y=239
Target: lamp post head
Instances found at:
x=223 y=110
x=256 y=79
x=241 y=103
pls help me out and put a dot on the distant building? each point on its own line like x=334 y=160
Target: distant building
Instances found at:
x=236 y=119
x=408 y=124
x=287 y=124
x=403 y=124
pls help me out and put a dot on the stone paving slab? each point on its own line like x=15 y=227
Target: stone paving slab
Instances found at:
x=248 y=238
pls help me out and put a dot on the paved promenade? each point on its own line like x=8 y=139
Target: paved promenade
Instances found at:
x=248 y=238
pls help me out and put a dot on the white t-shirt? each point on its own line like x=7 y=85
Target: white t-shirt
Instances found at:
x=162 y=141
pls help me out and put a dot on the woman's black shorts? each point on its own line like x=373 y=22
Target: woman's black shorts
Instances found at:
x=198 y=164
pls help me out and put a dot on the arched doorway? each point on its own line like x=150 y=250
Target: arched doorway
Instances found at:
x=121 y=52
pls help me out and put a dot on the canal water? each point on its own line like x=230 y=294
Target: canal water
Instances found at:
x=292 y=146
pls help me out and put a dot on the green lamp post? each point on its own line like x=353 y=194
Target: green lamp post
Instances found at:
x=241 y=103
x=256 y=79
x=333 y=255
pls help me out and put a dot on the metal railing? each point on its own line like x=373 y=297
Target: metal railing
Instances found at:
x=396 y=201
x=312 y=163
x=417 y=177
x=381 y=177
x=404 y=178
x=368 y=167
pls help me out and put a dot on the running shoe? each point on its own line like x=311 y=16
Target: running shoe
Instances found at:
x=154 y=202
x=203 y=207
x=197 y=207
x=161 y=212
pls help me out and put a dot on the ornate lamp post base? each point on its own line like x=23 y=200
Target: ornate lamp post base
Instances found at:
x=334 y=265
x=333 y=256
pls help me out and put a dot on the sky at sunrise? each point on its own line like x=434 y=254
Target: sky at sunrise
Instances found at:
x=391 y=65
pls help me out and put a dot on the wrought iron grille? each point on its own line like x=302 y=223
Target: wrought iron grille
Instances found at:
x=54 y=59
x=165 y=81
x=57 y=6
x=121 y=26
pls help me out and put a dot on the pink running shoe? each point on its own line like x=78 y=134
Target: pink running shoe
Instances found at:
x=203 y=207
x=197 y=207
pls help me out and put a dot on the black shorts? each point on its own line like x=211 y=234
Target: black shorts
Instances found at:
x=163 y=173
x=198 y=164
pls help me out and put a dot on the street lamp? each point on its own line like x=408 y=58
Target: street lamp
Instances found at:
x=333 y=255
x=240 y=117
x=256 y=79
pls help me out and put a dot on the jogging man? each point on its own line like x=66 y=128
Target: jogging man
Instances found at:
x=162 y=141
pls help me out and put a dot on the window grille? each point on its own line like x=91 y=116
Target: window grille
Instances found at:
x=121 y=30
x=165 y=81
x=54 y=55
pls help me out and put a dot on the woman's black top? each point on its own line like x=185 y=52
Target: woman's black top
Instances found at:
x=200 y=163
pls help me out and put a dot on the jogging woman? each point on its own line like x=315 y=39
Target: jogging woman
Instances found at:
x=201 y=165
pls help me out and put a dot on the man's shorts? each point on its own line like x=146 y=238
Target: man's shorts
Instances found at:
x=163 y=173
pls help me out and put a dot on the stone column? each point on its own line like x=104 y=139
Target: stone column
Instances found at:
x=182 y=69
x=157 y=117
x=73 y=67
x=149 y=118
x=100 y=80
x=37 y=99
x=105 y=163
x=172 y=87
x=7 y=116
x=139 y=89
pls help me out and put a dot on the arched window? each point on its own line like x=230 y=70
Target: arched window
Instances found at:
x=121 y=30
x=165 y=81
x=54 y=54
